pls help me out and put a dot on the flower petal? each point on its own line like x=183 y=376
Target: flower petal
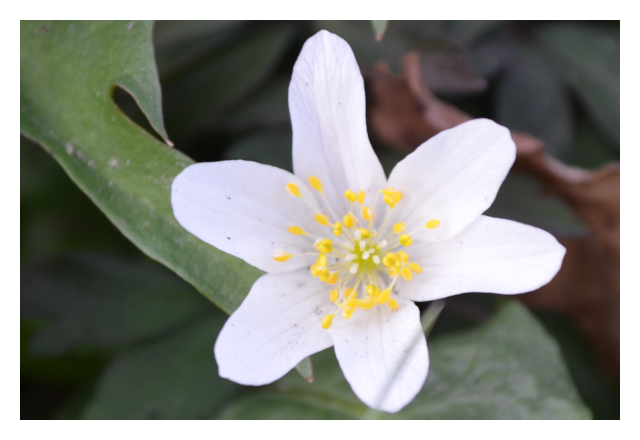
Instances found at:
x=327 y=106
x=244 y=209
x=277 y=325
x=492 y=255
x=383 y=354
x=453 y=177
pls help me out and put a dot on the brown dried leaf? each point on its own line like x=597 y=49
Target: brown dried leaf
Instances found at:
x=448 y=71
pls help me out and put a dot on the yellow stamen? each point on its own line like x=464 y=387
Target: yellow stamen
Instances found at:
x=367 y=304
x=322 y=260
x=393 y=304
x=406 y=273
x=399 y=228
x=350 y=307
x=293 y=189
x=296 y=230
x=432 y=224
x=368 y=213
x=406 y=240
x=337 y=229
x=397 y=196
x=322 y=219
x=326 y=321
x=361 y=196
x=333 y=296
x=389 y=201
x=415 y=268
x=325 y=246
x=391 y=260
x=364 y=232
x=403 y=255
x=315 y=183
x=373 y=291
x=349 y=220
x=350 y=293
x=281 y=256
x=333 y=278
x=384 y=296
x=388 y=191
x=350 y=196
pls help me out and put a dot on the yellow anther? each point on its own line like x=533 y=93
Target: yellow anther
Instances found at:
x=350 y=293
x=415 y=267
x=322 y=261
x=350 y=196
x=393 y=304
x=364 y=232
x=315 y=183
x=432 y=224
x=391 y=260
x=361 y=196
x=368 y=213
x=296 y=230
x=406 y=273
x=324 y=277
x=367 y=304
x=394 y=272
x=293 y=189
x=384 y=296
x=349 y=220
x=372 y=290
x=281 y=256
x=337 y=229
x=397 y=196
x=315 y=270
x=403 y=255
x=405 y=240
x=388 y=191
x=322 y=219
x=333 y=296
x=389 y=201
x=333 y=278
x=325 y=246
x=350 y=307
x=399 y=228
x=326 y=321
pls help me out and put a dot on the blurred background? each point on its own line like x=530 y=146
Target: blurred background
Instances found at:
x=102 y=325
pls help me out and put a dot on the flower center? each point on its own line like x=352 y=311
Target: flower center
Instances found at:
x=360 y=263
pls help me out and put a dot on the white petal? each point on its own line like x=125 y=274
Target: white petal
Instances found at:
x=327 y=106
x=492 y=255
x=453 y=177
x=244 y=209
x=277 y=325
x=383 y=354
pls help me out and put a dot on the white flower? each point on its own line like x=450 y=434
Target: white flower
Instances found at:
x=372 y=246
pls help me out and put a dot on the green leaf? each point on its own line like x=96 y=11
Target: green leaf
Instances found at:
x=533 y=99
x=67 y=74
x=508 y=368
x=522 y=198
x=590 y=58
x=267 y=108
x=264 y=147
x=367 y=50
x=173 y=378
x=103 y=301
x=220 y=78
